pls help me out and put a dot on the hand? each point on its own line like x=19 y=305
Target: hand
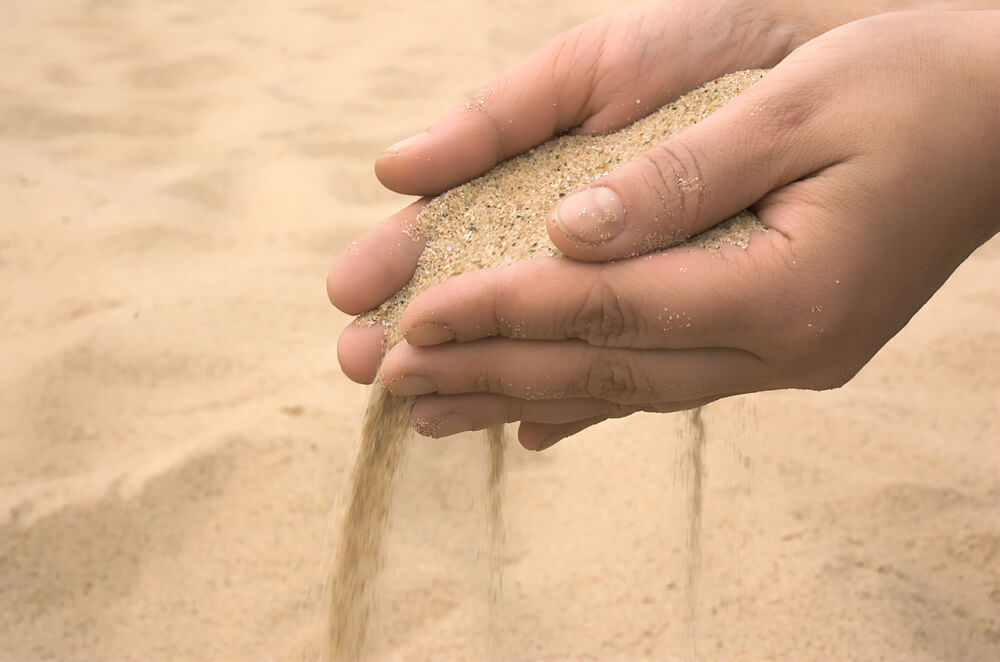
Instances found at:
x=584 y=81
x=869 y=212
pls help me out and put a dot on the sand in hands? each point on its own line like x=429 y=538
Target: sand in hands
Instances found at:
x=496 y=220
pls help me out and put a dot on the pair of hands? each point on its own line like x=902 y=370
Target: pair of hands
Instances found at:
x=871 y=152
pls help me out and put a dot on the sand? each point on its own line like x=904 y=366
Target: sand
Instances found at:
x=499 y=218
x=692 y=470
x=176 y=179
x=354 y=590
x=496 y=531
x=354 y=587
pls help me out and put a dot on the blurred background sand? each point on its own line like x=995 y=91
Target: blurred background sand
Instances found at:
x=175 y=179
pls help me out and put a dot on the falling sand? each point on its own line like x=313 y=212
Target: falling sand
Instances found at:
x=496 y=220
x=359 y=556
x=693 y=468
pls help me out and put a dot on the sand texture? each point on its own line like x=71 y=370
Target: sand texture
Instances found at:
x=361 y=539
x=499 y=218
x=175 y=180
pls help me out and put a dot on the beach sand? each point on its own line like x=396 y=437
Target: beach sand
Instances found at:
x=174 y=430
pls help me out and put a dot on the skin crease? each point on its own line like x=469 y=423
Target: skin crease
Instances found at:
x=872 y=199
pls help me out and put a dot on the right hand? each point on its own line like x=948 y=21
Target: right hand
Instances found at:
x=595 y=78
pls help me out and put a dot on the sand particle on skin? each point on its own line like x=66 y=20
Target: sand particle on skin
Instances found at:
x=495 y=220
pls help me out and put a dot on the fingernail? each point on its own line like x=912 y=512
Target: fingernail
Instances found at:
x=593 y=216
x=406 y=143
x=411 y=385
x=429 y=334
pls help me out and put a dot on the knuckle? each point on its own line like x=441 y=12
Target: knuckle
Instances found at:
x=777 y=119
x=778 y=130
x=568 y=58
x=673 y=173
x=490 y=377
x=506 y=294
x=487 y=381
x=604 y=319
x=616 y=377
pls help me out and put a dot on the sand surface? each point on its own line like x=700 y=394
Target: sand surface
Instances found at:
x=174 y=431
x=498 y=219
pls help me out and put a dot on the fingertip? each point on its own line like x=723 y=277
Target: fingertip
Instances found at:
x=423 y=320
x=591 y=225
x=359 y=351
x=372 y=268
x=453 y=309
x=541 y=436
x=399 y=370
x=392 y=165
x=429 y=333
x=531 y=435
x=456 y=149
x=393 y=172
x=436 y=416
x=340 y=287
x=569 y=246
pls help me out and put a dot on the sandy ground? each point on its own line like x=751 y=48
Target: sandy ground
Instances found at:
x=175 y=434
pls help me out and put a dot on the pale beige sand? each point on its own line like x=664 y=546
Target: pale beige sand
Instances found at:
x=499 y=218
x=175 y=179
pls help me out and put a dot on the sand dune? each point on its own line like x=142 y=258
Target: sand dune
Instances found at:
x=175 y=433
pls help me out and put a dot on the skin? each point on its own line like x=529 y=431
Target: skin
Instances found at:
x=870 y=152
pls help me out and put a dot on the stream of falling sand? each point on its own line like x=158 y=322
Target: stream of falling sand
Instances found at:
x=695 y=461
x=362 y=538
x=495 y=530
x=360 y=552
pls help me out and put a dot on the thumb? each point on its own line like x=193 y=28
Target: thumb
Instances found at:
x=766 y=137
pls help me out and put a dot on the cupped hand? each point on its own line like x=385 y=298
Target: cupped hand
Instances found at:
x=871 y=155
x=587 y=80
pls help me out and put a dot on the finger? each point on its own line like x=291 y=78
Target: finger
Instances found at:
x=443 y=415
x=773 y=133
x=375 y=266
x=534 y=370
x=541 y=97
x=681 y=298
x=539 y=436
x=359 y=350
x=594 y=78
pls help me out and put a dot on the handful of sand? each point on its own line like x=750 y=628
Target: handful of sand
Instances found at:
x=499 y=218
